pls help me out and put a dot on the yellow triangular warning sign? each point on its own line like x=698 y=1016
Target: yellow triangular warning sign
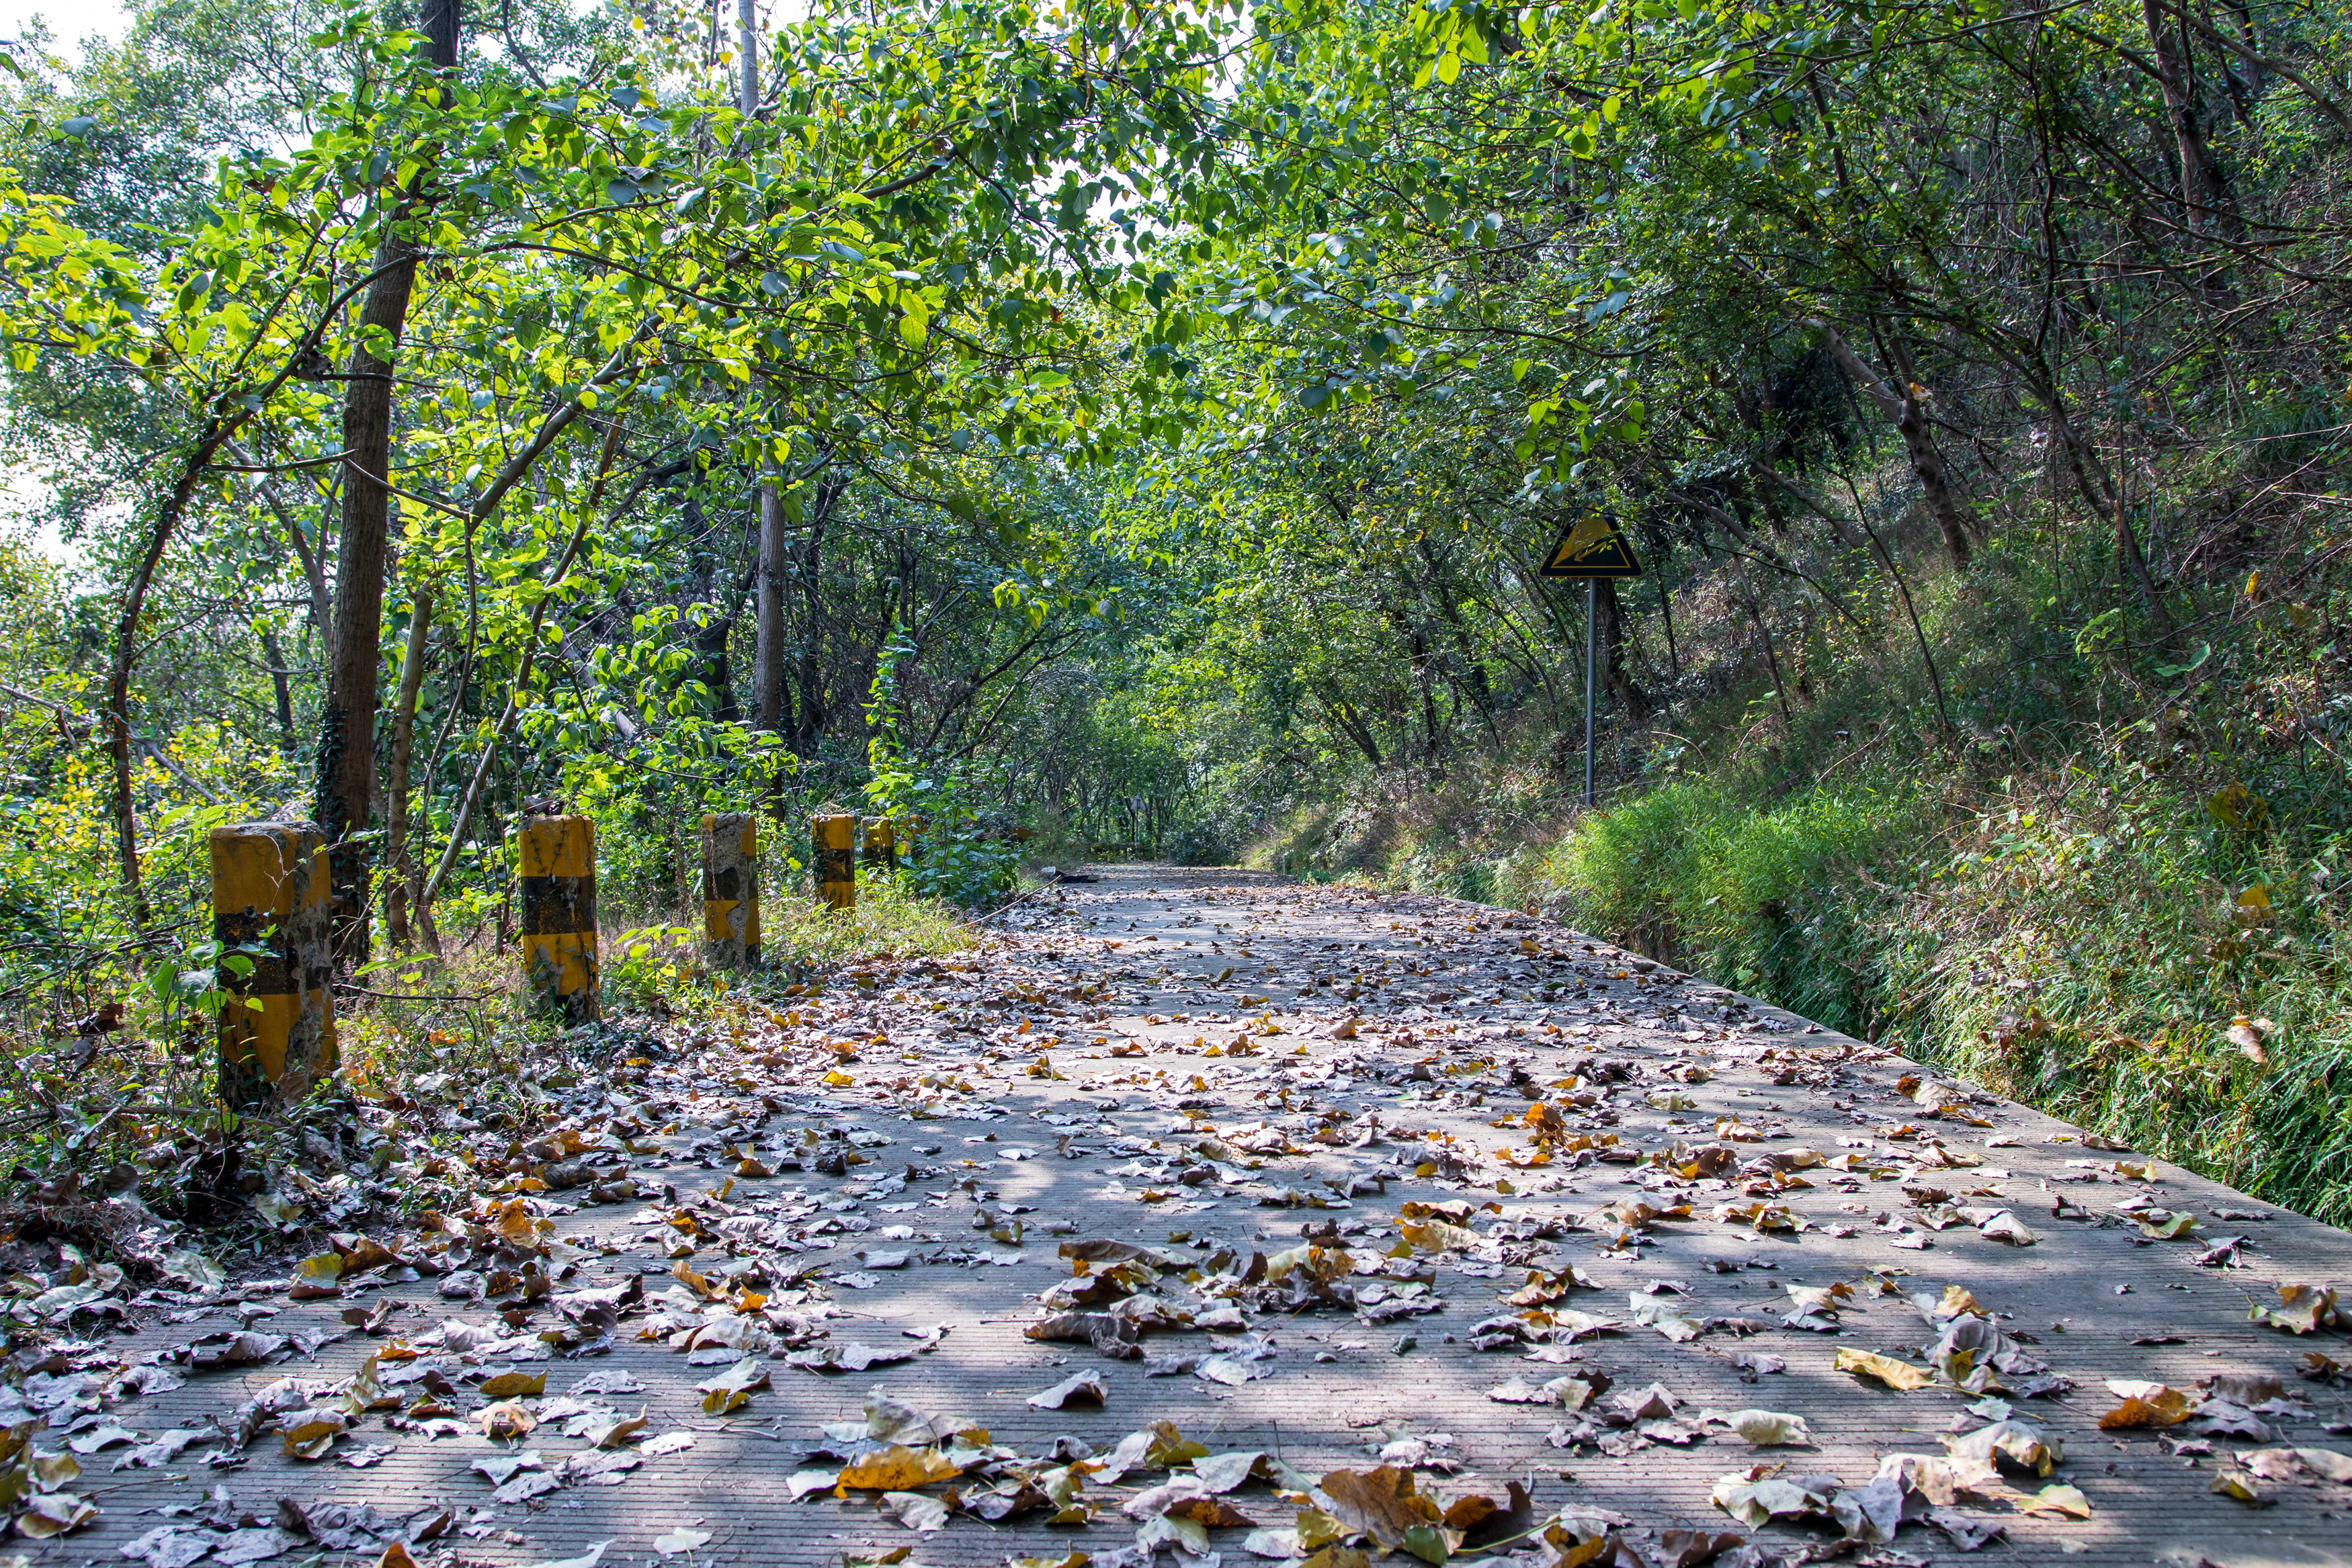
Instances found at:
x=1593 y=549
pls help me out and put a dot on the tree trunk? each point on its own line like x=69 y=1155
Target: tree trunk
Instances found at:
x=2204 y=190
x=1771 y=655
x=1907 y=412
x=808 y=724
x=1666 y=615
x=275 y=652
x=1609 y=623
x=747 y=37
x=403 y=736
x=346 y=787
x=768 y=659
x=767 y=656
x=126 y=654
x=1350 y=721
x=485 y=507
x=1420 y=658
x=711 y=639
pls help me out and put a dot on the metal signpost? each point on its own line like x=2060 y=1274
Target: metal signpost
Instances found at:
x=1593 y=549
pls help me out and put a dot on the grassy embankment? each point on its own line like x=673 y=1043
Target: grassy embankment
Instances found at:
x=2115 y=887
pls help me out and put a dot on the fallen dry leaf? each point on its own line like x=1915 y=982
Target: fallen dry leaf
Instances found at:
x=1085 y=1389
x=896 y=1469
x=732 y=1389
x=2146 y=1405
x=1897 y=1375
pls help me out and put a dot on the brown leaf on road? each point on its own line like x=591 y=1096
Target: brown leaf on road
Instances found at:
x=313 y=1437
x=2057 y=1501
x=1694 y=1548
x=1215 y=1512
x=2301 y=1309
x=2146 y=1405
x=1483 y=1521
x=1380 y=1503
x=1543 y=1288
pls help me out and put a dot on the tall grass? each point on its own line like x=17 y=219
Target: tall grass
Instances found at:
x=2086 y=949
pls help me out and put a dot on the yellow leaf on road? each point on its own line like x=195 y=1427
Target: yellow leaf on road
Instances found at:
x=2058 y=1500
x=514 y=1384
x=1886 y=1368
x=897 y=1468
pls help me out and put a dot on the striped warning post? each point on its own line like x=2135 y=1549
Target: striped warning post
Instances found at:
x=880 y=847
x=557 y=871
x=836 y=836
x=270 y=898
x=730 y=888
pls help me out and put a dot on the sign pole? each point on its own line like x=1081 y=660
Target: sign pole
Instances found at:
x=1593 y=549
x=1592 y=600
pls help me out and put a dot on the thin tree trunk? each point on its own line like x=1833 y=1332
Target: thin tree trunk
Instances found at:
x=1350 y=721
x=2134 y=562
x=808 y=724
x=1610 y=624
x=403 y=739
x=1771 y=657
x=1844 y=530
x=346 y=787
x=768 y=658
x=1666 y=614
x=747 y=36
x=126 y=654
x=484 y=506
x=1908 y=413
x=2204 y=190
x=1903 y=589
x=275 y=652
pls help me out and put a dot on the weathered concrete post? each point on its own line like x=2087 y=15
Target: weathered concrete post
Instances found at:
x=270 y=898
x=730 y=888
x=836 y=836
x=557 y=872
x=880 y=848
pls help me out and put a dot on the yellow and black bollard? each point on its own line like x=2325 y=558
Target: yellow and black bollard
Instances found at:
x=730 y=890
x=270 y=898
x=836 y=836
x=557 y=871
x=880 y=848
